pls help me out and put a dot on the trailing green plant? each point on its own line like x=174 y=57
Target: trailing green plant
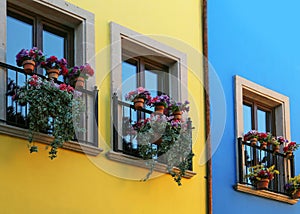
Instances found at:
x=51 y=105
x=174 y=147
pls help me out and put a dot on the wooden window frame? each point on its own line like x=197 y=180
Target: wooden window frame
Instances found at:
x=41 y=23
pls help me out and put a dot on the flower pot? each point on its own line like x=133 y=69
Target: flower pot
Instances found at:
x=276 y=148
x=289 y=154
x=138 y=103
x=158 y=141
x=53 y=73
x=28 y=66
x=253 y=141
x=159 y=109
x=263 y=145
x=262 y=184
x=79 y=82
x=296 y=194
x=177 y=115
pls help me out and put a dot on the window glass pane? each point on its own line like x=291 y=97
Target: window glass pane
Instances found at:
x=247 y=118
x=53 y=45
x=261 y=121
x=129 y=75
x=151 y=82
x=19 y=35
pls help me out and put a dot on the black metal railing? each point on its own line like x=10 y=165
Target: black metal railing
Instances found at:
x=124 y=114
x=252 y=155
x=16 y=114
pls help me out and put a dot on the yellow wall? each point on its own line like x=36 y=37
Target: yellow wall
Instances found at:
x=75 y=183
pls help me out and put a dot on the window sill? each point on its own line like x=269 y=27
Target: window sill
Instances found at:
x=45 y=139
x=265 y=194
x=127 y=159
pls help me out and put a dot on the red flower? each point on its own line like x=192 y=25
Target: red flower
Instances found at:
x=64 y=71
x=53 y=58
x=70 y=88
x=63 y=87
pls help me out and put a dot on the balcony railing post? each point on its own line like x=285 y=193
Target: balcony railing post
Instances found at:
x=95 y=123
x=190 y=127
x=115 y=122
x=240 y=159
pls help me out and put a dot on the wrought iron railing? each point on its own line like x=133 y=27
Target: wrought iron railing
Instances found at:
x=252 y=155
x=16 y=114
x=124 y=114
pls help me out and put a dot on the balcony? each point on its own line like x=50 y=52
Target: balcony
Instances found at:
x=125 y=147
x=251 y=155
x=14 y=116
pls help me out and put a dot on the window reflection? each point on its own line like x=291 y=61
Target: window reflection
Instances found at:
x=53 y=45
x=247 y=118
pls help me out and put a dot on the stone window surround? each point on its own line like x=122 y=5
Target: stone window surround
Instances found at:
x=144 y=45
x=280 y=103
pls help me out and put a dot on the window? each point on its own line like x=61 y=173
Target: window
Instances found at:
x=58 y=28
x=140 y=61
x=264 y=110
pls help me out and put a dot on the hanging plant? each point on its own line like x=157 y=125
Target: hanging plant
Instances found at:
x=51 y=106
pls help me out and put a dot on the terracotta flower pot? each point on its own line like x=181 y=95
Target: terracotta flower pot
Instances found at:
x=158 y=141
x=159 y=109
x=79 y=82
x=138 y=103
x=28 y=66
x=263 y=145
x=276 y=148
x=253 y=141
x=177 y=115
x=262 y=184
x=289 y=154
x=53 y=73
x=296 y=195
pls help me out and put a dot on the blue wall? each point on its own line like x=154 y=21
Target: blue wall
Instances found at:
x=260 y=41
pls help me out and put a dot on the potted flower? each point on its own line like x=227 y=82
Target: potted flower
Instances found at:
x=49 y=101
x=174 y=144
x=55 y=67
x=251 y=136
x=276 y=142
x=29 y=59
x=177 y=108
x=293 y=187
x=264 y=139
x=139 y=97
x=78 y=74
x=160 y=103
x=289 y=148
x=260 y=175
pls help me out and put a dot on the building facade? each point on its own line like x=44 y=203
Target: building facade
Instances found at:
x=253 y=51
x=154 y=44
